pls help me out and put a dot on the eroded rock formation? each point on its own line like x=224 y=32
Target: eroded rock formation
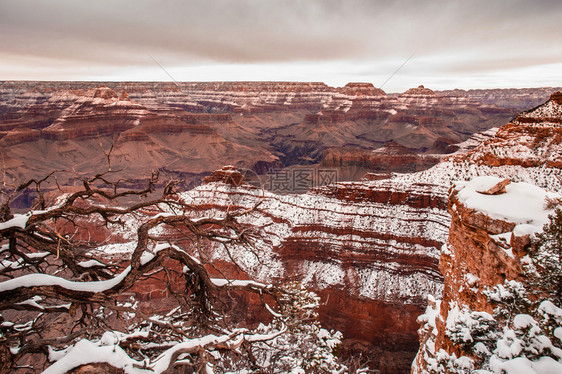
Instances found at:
x=537 y=133
x=391 y=157
x=190 y=129
x=369 y=248
x=487 y=250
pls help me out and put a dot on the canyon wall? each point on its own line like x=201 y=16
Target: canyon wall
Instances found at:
x=478 y=322
x=187 y=130
x=371 y=248
x=486 y=262
x=520 y=98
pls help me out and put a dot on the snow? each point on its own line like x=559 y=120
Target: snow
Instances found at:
x=116 y=248
x=322 y=273
x=107 y=350
x=461 y=323
x=19 y=221
x=32 y=302
x=522 y=321
x=38 y=254
x=237 y=283
x=504 y=237
x=522 y=365
x=86 y=352
x=19 y=263
x=7 y=264
x=38 y=280
x=146 y=257
x=265 y=337
x=521 y=346
x=198 y=219
x=481 y=349
x=90 y=263
x=549 y=109
x=109 y=338
x=163 y=215
x=523 y=203
x=163 y=361
x=558 y=333
x=428 y=328
x=548 y=308
x=471 y=279
x=273 y=313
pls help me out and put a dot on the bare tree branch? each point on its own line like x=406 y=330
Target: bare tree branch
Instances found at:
x=51 y=272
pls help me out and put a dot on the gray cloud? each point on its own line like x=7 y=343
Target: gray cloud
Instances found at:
x=104 y=34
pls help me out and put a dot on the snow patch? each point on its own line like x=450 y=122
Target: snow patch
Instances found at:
x=523 y=203
x=39 y=280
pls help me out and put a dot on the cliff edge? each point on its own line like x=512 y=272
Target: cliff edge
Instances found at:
x=500 y=310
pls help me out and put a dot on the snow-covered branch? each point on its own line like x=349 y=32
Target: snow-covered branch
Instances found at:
x=66 y=302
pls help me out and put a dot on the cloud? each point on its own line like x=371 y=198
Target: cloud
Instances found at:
x=451 y=37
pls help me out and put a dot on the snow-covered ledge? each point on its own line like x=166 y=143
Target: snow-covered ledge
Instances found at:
x=494 y=318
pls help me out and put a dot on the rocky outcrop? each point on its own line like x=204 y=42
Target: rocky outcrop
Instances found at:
x=124 y=96
x=100 y=115
x=520 y=98
x=106 y=93
x=19 y=135
x=420 y=90
x=392 y=157
x=228 y=175
x=537 y=133
x=557 y=97
x=488 y=242
x=492 y=219
x=361 y=89
x=107 y=114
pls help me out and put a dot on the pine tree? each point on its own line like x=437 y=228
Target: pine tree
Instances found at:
x=546 y=254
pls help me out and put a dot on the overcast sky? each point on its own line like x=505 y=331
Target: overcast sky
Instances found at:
x=447 y=44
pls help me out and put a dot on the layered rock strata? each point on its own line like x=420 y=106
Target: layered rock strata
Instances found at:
x=369 y=251
x=324 y=248
x=86 y=127
x=187 y=130
x=507 y=97
x=488 y=243
x=484 y=261
x=369 y=248
x=392 y=157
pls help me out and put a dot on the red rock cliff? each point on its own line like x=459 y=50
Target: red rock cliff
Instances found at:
x=488 y=242
x=369 y=249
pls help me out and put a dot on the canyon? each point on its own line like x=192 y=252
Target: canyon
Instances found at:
x=370 y=248
x=187 y=130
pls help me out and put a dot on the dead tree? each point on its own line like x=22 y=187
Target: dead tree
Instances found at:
x=64 y=303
